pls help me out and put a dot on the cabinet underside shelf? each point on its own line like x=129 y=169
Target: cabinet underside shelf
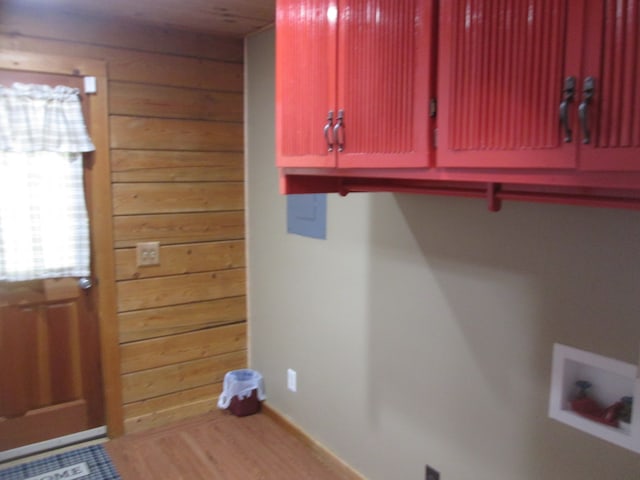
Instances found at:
x=494 y=193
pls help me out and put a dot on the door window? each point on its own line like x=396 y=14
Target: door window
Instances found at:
x=44 y=227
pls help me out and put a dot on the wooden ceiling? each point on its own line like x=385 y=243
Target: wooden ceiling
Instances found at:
x=221 y=17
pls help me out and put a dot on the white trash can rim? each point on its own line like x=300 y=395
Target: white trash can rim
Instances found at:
x=240 y=383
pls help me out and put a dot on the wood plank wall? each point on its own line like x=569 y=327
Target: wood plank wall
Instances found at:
x=176 y=129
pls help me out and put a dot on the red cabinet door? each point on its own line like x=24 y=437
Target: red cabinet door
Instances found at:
x=385 y=53
x=612 y=62
x=501 y=71
x=305 y=81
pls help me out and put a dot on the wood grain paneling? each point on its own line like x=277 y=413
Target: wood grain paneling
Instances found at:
x=176 y=136
x=171 y=400
x=117 y=33
x=173 y=102
x=230 y=17
x=142 y=67
x=175 y=166
x=171 y=134
x=172 y=229
x=164 y=351
x=178 y=259
x=150 y=198
x=173 y=378
x=48 y=64
x=171 y=408
x=157 y=322
x=165 y=291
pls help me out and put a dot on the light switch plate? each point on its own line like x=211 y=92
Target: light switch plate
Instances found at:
x=147 y=253
x=90 y=85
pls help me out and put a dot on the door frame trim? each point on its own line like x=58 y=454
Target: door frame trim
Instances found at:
x=101 y=214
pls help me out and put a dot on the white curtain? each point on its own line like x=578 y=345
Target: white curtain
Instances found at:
x=44 y=226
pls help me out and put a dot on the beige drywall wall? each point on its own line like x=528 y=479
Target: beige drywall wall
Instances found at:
x=422 y=328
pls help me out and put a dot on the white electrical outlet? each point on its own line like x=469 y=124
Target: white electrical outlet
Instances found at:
x=292 y=380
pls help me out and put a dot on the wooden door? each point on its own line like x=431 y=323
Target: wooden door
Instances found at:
x=50 y=375
x=305 y=82
x=612 y=62
x=385 y=82
x=502 y=70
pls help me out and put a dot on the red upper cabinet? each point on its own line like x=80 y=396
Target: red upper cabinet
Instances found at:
x=504 y=83
x=305 y=81
x=385 y=82
x=353 y=83
x=610 y=87
x=507 y=99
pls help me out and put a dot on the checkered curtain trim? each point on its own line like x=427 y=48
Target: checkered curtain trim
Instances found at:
x=44 y=226
x=40 y=118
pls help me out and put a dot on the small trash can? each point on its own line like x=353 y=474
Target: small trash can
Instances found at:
x=242 y=392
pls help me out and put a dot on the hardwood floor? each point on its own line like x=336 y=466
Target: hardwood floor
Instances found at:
x=221 y=446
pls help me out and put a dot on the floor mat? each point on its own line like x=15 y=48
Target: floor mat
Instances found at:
x=88 y=463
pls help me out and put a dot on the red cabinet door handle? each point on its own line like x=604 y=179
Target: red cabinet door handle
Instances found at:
x=338 y=131
x=583 y=110
x=327 y=131
x=568 y=93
